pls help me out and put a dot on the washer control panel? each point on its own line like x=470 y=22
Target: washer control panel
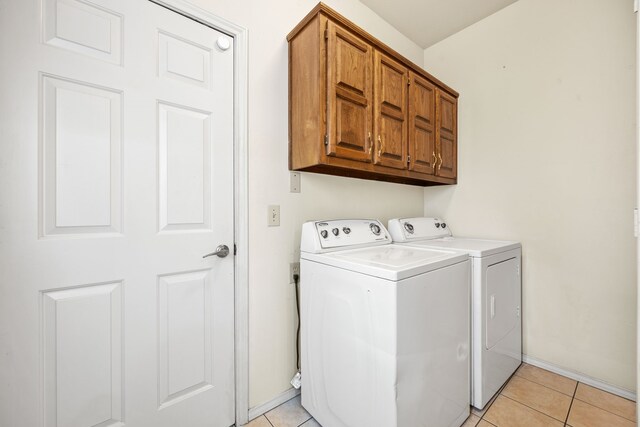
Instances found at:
x=405 y=229
x=320 y=236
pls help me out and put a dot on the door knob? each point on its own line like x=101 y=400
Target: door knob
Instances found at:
x=221 y=251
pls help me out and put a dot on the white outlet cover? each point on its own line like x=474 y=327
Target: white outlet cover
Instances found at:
x=294 y=182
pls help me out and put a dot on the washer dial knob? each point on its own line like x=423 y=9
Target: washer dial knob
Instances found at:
x=324 y=234
x=443 y=225
x=375 y=228
x=408 y=227
x=346 y=230
x=335 y=231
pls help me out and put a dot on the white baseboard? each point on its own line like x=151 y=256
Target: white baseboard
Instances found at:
x=265 y=407
x=627 y=394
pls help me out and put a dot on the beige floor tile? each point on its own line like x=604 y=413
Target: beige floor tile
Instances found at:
x=483 y=423
x=311 y=423
x=538 y=397
x=546 y=378
x=471 y=421
x=261 y=421
x=607 y=401
x=480 y=413
x=508 y=413
x=289 y=414
x=585 y=415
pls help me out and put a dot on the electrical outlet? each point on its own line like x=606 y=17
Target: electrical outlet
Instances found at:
x=273 y=220
x=294 y=268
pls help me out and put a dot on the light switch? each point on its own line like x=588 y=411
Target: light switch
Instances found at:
x=274 y=215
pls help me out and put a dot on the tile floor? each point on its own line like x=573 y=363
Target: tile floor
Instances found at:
x=533 y=397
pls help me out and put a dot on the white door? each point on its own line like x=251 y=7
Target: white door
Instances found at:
x=116 y=177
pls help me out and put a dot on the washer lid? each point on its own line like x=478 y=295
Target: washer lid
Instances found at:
x=391 y=262
x=474 y=247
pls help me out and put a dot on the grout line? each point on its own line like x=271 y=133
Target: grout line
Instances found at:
x=604 y=409
x=498 y=393
x=268 y=420
x=537 y=410
x=310 y=417
x=566 y=420
x=549 y=388
x=544 y=385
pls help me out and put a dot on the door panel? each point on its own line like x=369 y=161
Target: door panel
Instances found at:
x=502 y=300
x=81 y=168
x=119 y=172
x=82 y=344
x=349 y=85
x=184 y=167
x=447 y=128
x=422 y=115
x=85 y=28
x=390 y=112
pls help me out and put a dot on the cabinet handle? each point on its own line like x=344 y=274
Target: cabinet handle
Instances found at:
x=381 y=146
x=434 y=163
x=440 y=165
x=370 y=144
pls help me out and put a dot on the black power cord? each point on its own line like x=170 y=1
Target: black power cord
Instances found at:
x=296 y=278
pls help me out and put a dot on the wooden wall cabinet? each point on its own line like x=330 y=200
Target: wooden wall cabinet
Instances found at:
x=357 y=108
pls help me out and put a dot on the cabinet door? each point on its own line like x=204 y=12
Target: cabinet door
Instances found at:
x=446 y=135
x=349 y=98
x=390 y=112
x=422 y=117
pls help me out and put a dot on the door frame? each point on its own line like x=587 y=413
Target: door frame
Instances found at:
x=240 y=193
x=636 y=219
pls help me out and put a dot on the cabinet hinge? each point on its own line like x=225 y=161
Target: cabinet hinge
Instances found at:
x=326 y=33
x=408 y=160
x=326 y=140
x=408 y=82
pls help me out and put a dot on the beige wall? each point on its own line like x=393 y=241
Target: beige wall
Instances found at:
x=271 y=297
x=547 y=157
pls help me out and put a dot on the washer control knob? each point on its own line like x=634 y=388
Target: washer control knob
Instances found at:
x=335 y=231
x=443 y=225
x=437 y=225
x=375 y=228
x=408 y=227
x=324 y=234
x=346 y=230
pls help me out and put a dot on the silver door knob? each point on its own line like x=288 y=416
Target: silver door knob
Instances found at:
x=221 y=251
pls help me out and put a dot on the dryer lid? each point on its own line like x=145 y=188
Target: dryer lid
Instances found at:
x=474 y=247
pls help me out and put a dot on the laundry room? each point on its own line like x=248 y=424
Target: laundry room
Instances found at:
x=161 y=160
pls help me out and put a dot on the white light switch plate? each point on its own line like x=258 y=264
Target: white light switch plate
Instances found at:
x=273 y=220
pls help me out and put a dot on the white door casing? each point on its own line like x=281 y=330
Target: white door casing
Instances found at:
x=116 y=172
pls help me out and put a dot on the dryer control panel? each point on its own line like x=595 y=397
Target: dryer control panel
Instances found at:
x=324 y=236
x=408 y=229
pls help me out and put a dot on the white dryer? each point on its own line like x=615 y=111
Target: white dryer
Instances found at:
x=384 y=329
x=496 y=292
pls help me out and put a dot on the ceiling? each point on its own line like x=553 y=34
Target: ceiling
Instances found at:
x=426 y=22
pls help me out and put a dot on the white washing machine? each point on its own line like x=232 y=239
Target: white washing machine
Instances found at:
x=496 y=289
x=384 y=329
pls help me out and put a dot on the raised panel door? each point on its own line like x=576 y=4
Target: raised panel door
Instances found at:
x=390 y=112
x=447 y=128
x=422 y=115
x=120 y=180
x=349 y=86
